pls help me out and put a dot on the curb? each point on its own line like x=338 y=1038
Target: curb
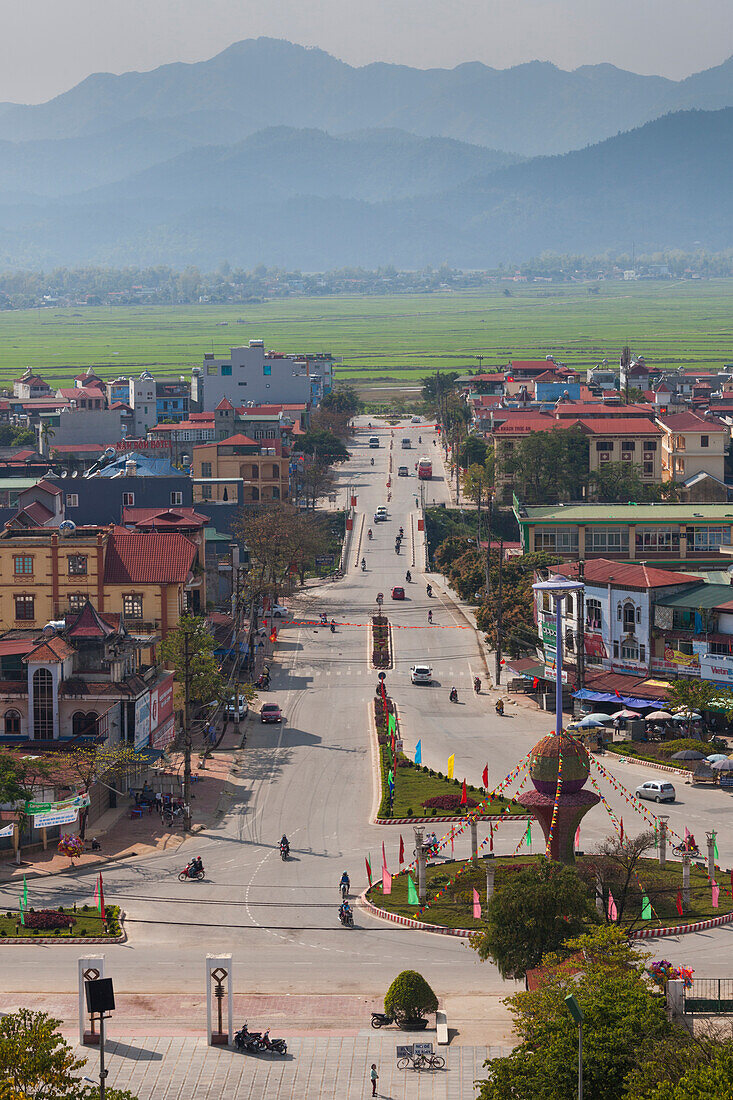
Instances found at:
x=449 y=820
x=409 y=922
x=681 y=929
x=370 y=643
x=649 y=764
x=17 y=941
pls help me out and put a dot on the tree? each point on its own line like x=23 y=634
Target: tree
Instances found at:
x=342 y=400
x=206 y=684
x=547 y=466
x=323 y=444
x=700 y=695
x=12 y=779
x=317 y=479
x=435 y=386
x=534 y=912
x=519 y=629
x=473 y=452
x=619 y=482
x=613 y=866
x=35 y=1061
x=620 y=1015
x=710 y=1075
x=409 y=997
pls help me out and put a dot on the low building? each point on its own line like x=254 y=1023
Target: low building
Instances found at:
x=31 y=385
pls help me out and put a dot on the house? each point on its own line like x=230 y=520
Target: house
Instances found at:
x=83 y=397
x=690 y=535
x=31 y=385
x=692 y=444
x=252 y=374
x=262 y=467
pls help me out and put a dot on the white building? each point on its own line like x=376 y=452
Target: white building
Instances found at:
x=144 y=404
x=266 y=378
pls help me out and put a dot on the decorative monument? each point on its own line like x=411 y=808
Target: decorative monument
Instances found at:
x=559 y=765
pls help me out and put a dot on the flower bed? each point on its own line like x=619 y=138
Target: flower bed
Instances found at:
x=380 y=642
x=66 y=922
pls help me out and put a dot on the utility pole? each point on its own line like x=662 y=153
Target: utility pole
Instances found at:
x=580 y=630
x=488 y=549
x=499 y=616
x=186 y=736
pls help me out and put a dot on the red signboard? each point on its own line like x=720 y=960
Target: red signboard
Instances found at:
x=161 y=703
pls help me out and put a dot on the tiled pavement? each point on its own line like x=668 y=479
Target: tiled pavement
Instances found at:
x=188 y=1069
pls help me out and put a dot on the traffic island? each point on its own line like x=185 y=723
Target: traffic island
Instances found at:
x=381 y=642
x=66 y=924
x=451 y=885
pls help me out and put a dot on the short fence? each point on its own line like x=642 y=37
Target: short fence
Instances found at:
x=712 y=995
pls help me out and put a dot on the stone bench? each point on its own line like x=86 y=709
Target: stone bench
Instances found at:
x=441 y=1029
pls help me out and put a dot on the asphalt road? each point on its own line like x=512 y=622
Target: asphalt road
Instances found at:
x=312 y=778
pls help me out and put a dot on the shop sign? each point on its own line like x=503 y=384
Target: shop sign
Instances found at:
x=551 y=674
x=675 y=657
x=717 y=669
x=164 y=733
x=161 y=703
x=55 y=817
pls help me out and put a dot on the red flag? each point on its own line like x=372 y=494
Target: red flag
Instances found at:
x=679 y=902
x=101 y=898
x=273 y=634
x=402 y=850
x=384 y=856
x=535 y=683
x=464 y=794
x=368 y=869
x=622 y=830
x=485 y=777
x=491 y=837
x=617 y=694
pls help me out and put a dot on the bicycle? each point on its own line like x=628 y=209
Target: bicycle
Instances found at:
x=421 y=1061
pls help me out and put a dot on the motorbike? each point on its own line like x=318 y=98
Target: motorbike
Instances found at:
x=284 y=851
x=187 y=874
x=477 y=685
x=263 y=683
x=372 y=462
x=382 y=1019
x=324 y=619
x=453 y=696
x=347 y=919
x=402 y=532
x=170 y=814
x=396 y=548
x=499 y=708
x=344 y=888
x=274 y=1046
x=333 y=627
x=363 y=565
x=408 y=576
x=430 y=616
x=430 y=591
x=247 y=1040
x=369 y=534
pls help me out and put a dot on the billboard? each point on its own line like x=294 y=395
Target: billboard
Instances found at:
x=164 y=734
x=161 y=702
x=142 y=721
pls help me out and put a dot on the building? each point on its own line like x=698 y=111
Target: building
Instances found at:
x=83 y=397
x=262 y=467
x=691 y=445
x=31 y=385
x=690 y=535
x=144 y=404
x=252 y=374
x=73 y=425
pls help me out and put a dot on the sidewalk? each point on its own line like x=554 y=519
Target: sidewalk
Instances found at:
x=122 y=837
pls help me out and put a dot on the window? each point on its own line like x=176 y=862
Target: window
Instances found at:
x=650 y=444
x=569 y=606
x=604 y=445
x=629 y=618
x=42 y=705
x=607 y=540
x=72 y=500
x=77 y=565
x=211 y=368
x=593 y=613
x=132 y=606
x=267 y=370
x=12 y=723
x=22 y=565
x=84 y=724
x=657 y=538
x=628 y=445
x=642 y=653
x=704 y=440
x=563 y=540
x=569 y=640
x=206 y=492
x=275 y=471
x=77 y=601
x=615 y=649
x=648 y=469
x=176 y=497
x=24 y=608
x=680 y=443
x=629 y=651
x=709 y=538
x=226 y=370
x=206 y=469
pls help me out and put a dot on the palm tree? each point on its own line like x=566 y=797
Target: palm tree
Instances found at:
x=47 y=434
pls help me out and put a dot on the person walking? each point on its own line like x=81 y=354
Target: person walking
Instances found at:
x=374 y=1077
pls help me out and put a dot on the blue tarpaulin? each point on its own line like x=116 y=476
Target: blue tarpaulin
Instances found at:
x=611 y=697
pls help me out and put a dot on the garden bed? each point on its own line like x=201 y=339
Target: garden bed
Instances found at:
x=661 y=752
x=381 y=642
x=63 y=924
x=454 y=909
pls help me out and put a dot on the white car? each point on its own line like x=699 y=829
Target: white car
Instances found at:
x=416 y=420
x=237 y=707
x=658 y=790
x=421 y=674
x=275 y=611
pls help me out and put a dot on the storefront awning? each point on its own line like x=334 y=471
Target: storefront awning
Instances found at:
x=612 y=697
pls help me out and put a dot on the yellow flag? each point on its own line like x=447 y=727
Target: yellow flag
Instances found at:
x=451 y=762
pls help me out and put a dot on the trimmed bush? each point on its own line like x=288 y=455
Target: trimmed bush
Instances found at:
x=448 y=802
x=47 y=919
x=410 y=996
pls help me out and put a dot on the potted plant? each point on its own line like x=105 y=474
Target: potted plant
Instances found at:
x=408 y=999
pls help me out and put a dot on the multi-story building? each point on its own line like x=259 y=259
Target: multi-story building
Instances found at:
x=691 y=445
x=31 y=385
x=144 y=404
x=262 y=467
x=252 y=374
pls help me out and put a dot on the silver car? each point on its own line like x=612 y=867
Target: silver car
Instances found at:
x=658 y=790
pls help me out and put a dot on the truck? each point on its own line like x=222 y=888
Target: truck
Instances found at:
x=425 y=469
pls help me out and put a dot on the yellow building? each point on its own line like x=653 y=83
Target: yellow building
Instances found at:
x=692 y=445
x=261 y=466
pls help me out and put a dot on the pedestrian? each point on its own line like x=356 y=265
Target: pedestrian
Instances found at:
x=374 y=1076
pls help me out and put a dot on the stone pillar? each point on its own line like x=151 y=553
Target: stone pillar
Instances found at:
x=89 y=968
x=490 y=871
x=686 y=882
x=421 y=887
x=218 y=970
x=711 y=854
x=474 y=839
x=675 y=994
x=663 y=819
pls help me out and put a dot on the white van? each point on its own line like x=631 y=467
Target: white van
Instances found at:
x=406 y=444
x=374 y=441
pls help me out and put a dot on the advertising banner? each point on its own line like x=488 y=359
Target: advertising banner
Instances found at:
x=718 y=669
x=55 y=817
x=675 y=657
x=164 y=734
x=7 y=830
x=142 y=721
x=161 y=703
x=551 y=674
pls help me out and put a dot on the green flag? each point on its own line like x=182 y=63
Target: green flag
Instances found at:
x=646 y=908
x=715 y=845
x=528 y=837
x=412 y=898
x=390 y=778
x=25 y=893
x=22 y=914
x=392 y=726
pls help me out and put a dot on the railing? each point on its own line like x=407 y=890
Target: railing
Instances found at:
x=712 y=995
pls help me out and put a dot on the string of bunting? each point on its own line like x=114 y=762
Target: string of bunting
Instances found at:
x=632 y=800
x=558 y=792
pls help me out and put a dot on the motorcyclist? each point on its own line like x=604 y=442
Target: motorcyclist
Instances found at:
x=369 y=534
x=430 y=591
x=324 y=618
x=408 y=576
x=195 y=866
x=419 y=439
x=285 y=845
x=345 y=881
x=430 y=615
x=345 y=913
x=477 y=684
x=372 y=462
x=499 y=706
x=333 y=626
x=453 y=695
x=397 y=548
x=402 y=531
x=363 y=565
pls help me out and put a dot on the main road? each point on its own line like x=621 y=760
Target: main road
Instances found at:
x=313 y=778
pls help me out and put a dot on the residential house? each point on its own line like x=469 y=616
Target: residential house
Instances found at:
x=262 y=467
x=31 y=385
x=691 y=445
x=252 y=374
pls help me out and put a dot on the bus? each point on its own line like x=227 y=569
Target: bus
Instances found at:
x=425 y=469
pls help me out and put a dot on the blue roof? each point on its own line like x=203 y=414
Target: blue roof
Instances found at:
x=147 y=465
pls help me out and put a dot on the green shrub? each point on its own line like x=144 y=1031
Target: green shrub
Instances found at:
x=409 y=996
x=409 y=811
x=682 y=743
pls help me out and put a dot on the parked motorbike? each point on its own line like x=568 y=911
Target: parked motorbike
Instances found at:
x=382 y=1019
x=275 y=1046
x=247 y=1040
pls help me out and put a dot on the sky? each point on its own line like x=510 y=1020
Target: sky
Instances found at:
x=47 y=46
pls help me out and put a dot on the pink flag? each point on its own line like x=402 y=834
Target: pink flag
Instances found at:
x=716 y=893
x=476 y=904
x=612 y=910
x=402 y=850
x=386 y=881
x=577 y=838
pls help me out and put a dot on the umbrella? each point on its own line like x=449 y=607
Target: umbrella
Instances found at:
x=691 y=754
x=723 y=765
x=589 y=723
x=658 y=716
x=716 y=756
x=598 y=716
x=626 y=714
x=686 y=716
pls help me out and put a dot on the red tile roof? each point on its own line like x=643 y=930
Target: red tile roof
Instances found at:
x=602 y=570
x=200 y=416
x=595 y=409
x=620 y=426
x=533 y=422
x=49 y=487
x=77 y=448
x=225 y=403
x=690 y=422
x=55 y=649
x=631 y=686
x=148 y=558
x=167 y=518
x=89 y=624
x=240 y=440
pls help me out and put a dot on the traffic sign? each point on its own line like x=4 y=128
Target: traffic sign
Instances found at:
x=380 y=597
x=382 y=676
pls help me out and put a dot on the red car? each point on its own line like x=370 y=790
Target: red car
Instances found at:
x=398 y=593
x=271 y=713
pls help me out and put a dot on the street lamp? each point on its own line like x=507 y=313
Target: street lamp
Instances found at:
x=577 y=1013
x=559 y=587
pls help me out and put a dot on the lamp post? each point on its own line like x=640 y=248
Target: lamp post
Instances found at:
x=577 y=1013
x=559 y=588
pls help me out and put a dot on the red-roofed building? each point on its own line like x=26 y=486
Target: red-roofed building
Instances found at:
x=692 y=444
x=263 y=466
x=31 y=385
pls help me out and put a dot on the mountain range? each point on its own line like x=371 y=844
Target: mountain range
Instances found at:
x=274 y=153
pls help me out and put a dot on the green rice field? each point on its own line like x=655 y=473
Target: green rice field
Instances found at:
x=389 y=338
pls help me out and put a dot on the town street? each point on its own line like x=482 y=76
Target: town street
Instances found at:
x=312 y=778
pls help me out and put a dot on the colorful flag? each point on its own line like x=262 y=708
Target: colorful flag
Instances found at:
x=384 y=856
x=535 y=683
x=476 y=905
x=715 y=846
x=386 y=881
x=391 y=725
x=451 y=765
x=464 y=794
x=679 y=902
x=101 y=898
x=485 y=777
x=412 y=898
x=616 y=694
x=646 y=908
x=273 y=635
x=612 y=910
x=622 y=830
x=22 y=911
x=402 y=850
x=390 y=779
x=368 y=861
x=528 y=835
x=491 y=837
x=418 y=752
x=25 y=893
x=577 y=838
x=716 y=893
